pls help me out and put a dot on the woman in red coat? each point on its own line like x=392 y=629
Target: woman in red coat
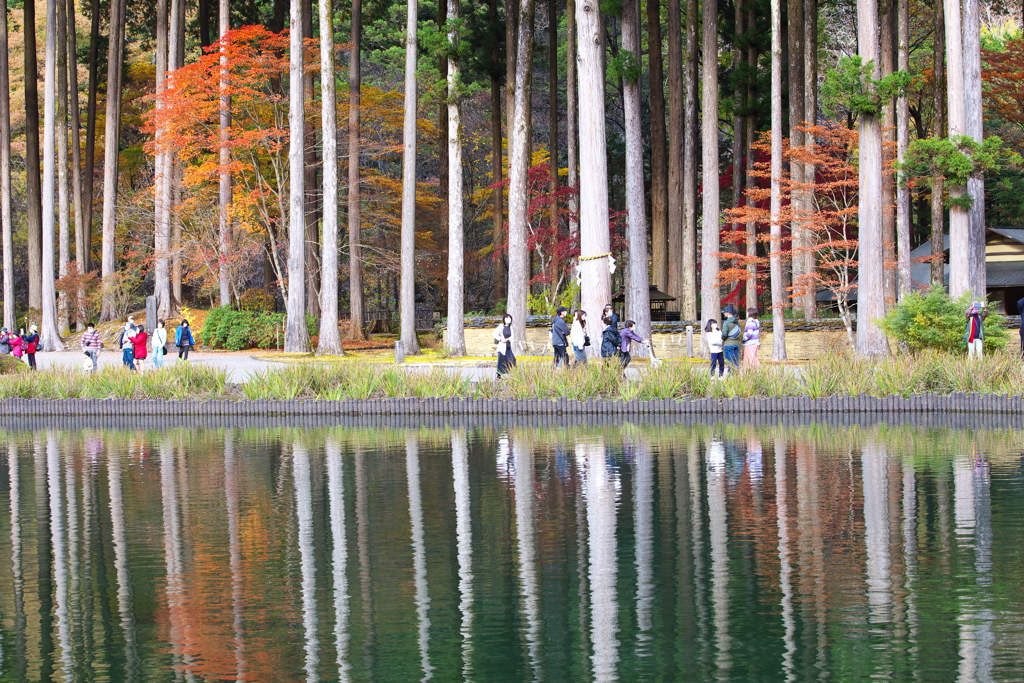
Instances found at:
x=139 y=347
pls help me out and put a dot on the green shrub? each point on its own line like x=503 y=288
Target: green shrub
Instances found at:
x=234 y=330
x=931 y=320
x=9 y=365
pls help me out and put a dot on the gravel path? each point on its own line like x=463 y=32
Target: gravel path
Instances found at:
x=238 y=366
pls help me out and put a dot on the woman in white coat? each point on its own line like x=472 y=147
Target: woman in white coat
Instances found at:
x=578 y=337
x=503 y=338
x=159 y=341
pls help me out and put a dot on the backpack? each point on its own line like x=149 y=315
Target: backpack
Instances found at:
x=734 y=331
x=611 y=340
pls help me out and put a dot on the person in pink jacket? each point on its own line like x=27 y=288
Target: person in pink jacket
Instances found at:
x=17 y=345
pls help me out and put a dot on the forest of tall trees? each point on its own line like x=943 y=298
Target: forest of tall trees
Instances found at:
x=500 y=156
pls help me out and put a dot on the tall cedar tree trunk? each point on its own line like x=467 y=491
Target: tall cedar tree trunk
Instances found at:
x=511 y=44
x=595 y=241
x=886 y=53
x=90 y=134
x=76 y=157
x=330 y=337
x=959 y=219
x=63 y=178
x=296 y=335
x=689 y=241
x=312 y=208
x=738 y=120
x=163 y=170
x=519 y=166
x=553 y=105
x=224 y=194
x=49 y=335
x=407 y=298
x=5 y=175
x=775 y=245
x=903 y=226
x=572 y=137
x=938 y=271
x=498 y=234
x=810 y=50
x=33 y=196
x=355 y=217
x=455 y=337
x=638 y=305
x=176 y=59
x=751 y=183
x=442 y=151
x=659 y=160
x=795 y=81
x=111 y=140
x=974 y=127
x=871 y=341
x=675 y=157
x=710 y=298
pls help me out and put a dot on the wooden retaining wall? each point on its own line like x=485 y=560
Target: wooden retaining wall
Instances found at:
x=770 y=406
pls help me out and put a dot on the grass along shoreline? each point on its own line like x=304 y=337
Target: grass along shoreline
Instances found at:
x=835 y=375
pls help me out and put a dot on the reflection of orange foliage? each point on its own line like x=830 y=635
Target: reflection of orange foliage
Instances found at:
x=195 y=616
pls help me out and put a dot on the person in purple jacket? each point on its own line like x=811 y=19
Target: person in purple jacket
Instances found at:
x=628 y=335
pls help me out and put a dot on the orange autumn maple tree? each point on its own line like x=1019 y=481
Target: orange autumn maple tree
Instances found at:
x=188 y=119
x=829 y=214
x=1004 y=82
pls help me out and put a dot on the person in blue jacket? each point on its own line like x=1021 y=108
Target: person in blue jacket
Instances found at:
x=183 y=340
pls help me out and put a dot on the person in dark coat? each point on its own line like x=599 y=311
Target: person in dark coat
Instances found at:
x=503 y=338
x=1020 y=312
x=610 y=338
x=560 y=337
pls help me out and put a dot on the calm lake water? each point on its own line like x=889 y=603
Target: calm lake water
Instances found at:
x=632 y=552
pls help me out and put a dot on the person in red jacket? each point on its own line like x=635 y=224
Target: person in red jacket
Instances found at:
x=139 y=347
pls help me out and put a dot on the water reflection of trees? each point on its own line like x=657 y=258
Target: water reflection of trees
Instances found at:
x=725 y=552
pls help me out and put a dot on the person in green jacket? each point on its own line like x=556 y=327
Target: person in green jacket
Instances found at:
x=731 y=336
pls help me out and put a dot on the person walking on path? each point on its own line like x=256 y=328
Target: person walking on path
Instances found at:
x=159 y=342
x=628 y=335
x=183 y=340
x=714 y=339
x=5 y=341
x=560 y=337
x=974 y=335
x=31 y=344
x=91 y=345
x=125 y=341
x=751 y=340
x=139 y=348
x=503 y=338
x=579 y=338
x=731 y=333
x=611 y=340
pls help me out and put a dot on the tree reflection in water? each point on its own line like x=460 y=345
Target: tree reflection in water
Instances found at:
x=628 y=552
